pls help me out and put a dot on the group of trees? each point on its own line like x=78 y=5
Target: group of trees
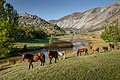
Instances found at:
x=111 y=32
x=8 y=27
x=10 y=31
x=28 y=32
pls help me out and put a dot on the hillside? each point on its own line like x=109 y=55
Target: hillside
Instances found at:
x=26 y=19
x=90 y=19
x=99 y=66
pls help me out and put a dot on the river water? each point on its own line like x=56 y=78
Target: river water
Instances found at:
x=76 y=45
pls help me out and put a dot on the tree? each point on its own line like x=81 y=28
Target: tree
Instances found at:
x=12 y=17
x=111 y=32
x=5 y=41
x=8 y=27
x=2 y=10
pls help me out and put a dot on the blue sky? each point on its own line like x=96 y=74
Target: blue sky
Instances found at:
x=55 y=9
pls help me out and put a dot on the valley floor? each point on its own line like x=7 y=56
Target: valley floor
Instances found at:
x=98 y=66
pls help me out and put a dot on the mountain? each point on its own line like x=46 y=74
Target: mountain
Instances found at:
x=92 y=19
x=26 y=19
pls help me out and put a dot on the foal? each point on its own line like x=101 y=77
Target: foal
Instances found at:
x=33 y=58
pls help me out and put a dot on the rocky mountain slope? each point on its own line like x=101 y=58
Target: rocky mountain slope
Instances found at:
x=89 y=20
x=26 y=19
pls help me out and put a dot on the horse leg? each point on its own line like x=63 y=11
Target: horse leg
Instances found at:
x=32 y=65
x=77 y=54
x=43 y=63
x=55 y=60
x=50 y=61
x=80 y=53
x=98 y=51
x=29 y=66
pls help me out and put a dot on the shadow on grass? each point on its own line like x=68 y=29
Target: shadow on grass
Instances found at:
x=4 y=68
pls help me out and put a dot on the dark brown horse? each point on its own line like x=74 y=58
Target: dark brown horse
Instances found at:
x=52 y=54
x=82 y=50
x=112 y=46
x=105 y=49
x=33 y=58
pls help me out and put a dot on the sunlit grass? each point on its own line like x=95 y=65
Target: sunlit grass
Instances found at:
x=102 y=66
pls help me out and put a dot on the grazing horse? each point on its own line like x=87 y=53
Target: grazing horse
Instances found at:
x=82 y=50
x=112 y=46
x=94 y=49
x=62 y=55
x=33 y=58
x=105 y=49
x=52 y=54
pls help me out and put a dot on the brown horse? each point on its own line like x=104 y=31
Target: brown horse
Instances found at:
x=105 y=49
x=52 y=54
x=33 y=58
x=112 y=46
x=82 y=50
x=94 y=49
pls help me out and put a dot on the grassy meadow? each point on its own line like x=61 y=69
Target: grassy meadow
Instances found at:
x=99 y=66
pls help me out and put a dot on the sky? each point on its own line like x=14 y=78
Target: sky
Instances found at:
x=55 y=9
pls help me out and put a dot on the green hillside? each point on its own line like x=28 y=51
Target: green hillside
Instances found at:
x=99 y=66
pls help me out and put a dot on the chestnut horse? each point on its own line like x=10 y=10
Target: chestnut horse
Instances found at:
x=82 y=50
x=52 y=54
x=94 y=49
x=33 y=58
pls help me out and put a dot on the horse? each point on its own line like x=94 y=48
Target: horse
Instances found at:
x=33 y=58
x=52 y=54
x=105 y=49
x=62 y=55
x=82 y=50
x=112 y=46
x=94 y=49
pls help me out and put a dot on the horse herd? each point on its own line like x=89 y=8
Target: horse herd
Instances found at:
x=41 y=56
x=54 y=54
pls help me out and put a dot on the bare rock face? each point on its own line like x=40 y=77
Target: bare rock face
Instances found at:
x=91 y=19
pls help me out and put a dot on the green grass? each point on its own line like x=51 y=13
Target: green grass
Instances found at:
x=99 y=66
x=31 y=44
